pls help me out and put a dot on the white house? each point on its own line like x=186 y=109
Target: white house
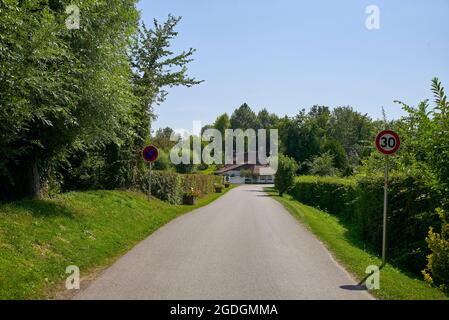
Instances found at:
x=233 y=171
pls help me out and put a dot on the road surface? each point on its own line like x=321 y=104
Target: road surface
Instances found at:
x=244 y=245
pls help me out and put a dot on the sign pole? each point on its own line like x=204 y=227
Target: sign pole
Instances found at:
x=150 y=155
x=384 y=233
x=149 y=182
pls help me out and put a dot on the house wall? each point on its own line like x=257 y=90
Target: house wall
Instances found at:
x=234 y=177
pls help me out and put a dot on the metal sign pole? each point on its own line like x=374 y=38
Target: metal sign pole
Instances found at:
x=384 y=234
x=149 y=182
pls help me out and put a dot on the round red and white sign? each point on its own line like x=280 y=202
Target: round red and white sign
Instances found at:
x=388 y=142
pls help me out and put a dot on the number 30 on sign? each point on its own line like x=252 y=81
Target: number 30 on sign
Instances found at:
x=388 y=142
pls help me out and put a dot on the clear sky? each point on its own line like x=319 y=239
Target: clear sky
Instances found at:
x=286 y=55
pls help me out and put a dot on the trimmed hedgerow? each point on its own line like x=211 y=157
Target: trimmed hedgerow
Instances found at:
x=202 y=183
x=170 y=186
x=333 y=195
x=359 y=203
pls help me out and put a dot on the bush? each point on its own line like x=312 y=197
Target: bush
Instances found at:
x=167 y=186
x=322 y=165
x=437 y=271
x=170 y=186
x=359 y=202
x=334 y=195
x=162 y=162
x=203 y=183
x=285 y=175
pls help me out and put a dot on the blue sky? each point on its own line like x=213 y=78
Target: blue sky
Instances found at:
x=286 y=55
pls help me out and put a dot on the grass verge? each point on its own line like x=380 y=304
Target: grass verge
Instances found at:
x=394 y=284
x=39 y=239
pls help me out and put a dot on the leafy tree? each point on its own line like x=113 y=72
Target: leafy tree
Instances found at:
x=338 y=153
x=162 y=138
x=74 y=86
x=353 y=130
x=322 y=165
x=243 y=118
x=266 y=120
x=285 y=175
x=222 y=123
x=425 y=151
x=299 y=137
x=155 y=67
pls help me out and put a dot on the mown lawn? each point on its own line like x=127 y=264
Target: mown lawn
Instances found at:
x=394 y=284
x=39 y=239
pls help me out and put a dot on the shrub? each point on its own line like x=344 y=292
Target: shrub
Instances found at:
x=162 y=162
x=437 y=271
x=167 y=186
x=322 y=165
x=201 y=182
x=285 y=175
x=333 y=195
x=359 y=202
x=171 y=186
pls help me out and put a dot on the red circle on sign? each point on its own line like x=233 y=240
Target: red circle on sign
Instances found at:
x=150 y=153
x=388 y=142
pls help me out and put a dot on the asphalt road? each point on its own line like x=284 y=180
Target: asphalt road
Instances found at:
x=244 y=245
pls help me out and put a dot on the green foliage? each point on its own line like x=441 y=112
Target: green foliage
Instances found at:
x=166 y=186
x=222 y=123
x=266 y=120
x=243 y=118
x=83 y=105
x=338 y=153
x=203 y=183
x=322 y=165
x=155 y=67
x=74 y=84
x=285 y=175
x=163 y=161
x=171 y=186
x=334 y=195
x=360 y=201
x=437 y=271
x=343 y=132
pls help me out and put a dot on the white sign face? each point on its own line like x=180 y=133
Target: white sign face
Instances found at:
x=388 y=142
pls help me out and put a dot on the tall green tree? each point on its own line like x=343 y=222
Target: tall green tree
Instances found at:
x=156 y=67
x=61 y=87
x=243 y=118
x=222 y=123
x=266 y=120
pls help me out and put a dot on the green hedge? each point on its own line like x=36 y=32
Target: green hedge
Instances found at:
x=359 y=203
x=170 y=186
x=333 y=195
x=201 y=182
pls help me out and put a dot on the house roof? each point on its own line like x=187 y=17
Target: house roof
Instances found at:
x=256 y=169
x=230 y=167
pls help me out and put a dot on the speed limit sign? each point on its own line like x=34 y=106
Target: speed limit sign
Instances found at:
x=388 y=142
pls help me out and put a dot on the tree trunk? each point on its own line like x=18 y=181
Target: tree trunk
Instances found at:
x=34 y=183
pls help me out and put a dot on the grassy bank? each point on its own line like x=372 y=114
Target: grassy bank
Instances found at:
x=394 y=284
x=39 y=239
